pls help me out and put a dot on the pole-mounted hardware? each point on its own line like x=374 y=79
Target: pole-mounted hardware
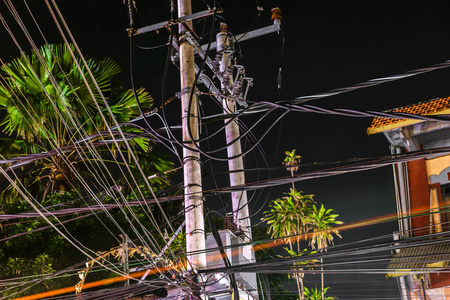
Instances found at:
x=276 y=17
x=169 y=23
x=131 y=7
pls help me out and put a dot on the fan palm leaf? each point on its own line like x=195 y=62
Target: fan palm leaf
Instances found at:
x=52 y=99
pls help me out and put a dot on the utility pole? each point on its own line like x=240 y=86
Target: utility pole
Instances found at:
x=231 y=93
x=193 y=197
x=239 y=199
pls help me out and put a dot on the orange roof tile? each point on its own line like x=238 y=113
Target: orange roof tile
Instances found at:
x=430 y=107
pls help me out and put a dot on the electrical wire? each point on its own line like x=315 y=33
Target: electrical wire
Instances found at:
x=364 y=166
x=380 y=161
x=35 y=48
x=342 y=111
x=141 y=110
x=11 y=8
x=115 y=121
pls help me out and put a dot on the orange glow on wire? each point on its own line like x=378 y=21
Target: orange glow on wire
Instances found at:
x=92 y=284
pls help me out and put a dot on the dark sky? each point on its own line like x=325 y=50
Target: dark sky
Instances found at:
x=328 y=44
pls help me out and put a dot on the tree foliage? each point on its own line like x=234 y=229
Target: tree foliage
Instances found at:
x=295 y=217
x=50 y=103
x=292 y=160
x=316 y=294
x=288 y=216
x=322 y=221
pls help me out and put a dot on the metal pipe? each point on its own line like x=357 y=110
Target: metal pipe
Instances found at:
x=404 y=194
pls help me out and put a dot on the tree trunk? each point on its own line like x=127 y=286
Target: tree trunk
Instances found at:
x=299 y=276
x=321 y=276
x=292 y=175
x=320 y=248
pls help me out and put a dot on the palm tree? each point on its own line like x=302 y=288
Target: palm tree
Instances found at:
x=48 y=105
x=288 y=216
x=292 y=159
x=296 y=214
x=317 y=294
x=321 y=222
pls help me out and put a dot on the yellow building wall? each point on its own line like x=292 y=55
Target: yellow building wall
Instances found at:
x=435 y=166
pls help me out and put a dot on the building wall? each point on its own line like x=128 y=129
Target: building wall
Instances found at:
x=424 y=185
x=440 y=279
x=419 y=195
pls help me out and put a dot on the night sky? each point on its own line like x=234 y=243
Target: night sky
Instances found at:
x=328 y=45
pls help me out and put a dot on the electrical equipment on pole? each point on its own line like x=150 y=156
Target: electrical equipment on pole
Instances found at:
x=230 y=89
x=233 y=92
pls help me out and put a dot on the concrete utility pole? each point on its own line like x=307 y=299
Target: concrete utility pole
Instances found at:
x=193 y=197
x=239 y=199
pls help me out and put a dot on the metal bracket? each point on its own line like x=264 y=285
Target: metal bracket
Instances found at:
x=249 y=35
x=169 y=23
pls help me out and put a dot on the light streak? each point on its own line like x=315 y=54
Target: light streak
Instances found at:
x=94 y=284
x=358 y=224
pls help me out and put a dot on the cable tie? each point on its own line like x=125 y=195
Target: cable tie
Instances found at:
x=193 y=197
x=202 y=231
x=193 y=184
x=186 y=90
x=191 y=158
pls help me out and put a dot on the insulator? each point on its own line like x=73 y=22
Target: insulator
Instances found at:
x=223 y=27
x=215 y=68
x=172 y=9
x=229 y=71
x=238 y=87
x=276 y=14
x=279 y=79
x=219 y=56
x=130 y=13
x=226 y=82
x=216 y=63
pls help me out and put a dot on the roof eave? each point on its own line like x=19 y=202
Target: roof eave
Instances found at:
x=392 y=126
x=403 y=123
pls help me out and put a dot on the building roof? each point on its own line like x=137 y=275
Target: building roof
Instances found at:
x=420 y=259
x=438 y=106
